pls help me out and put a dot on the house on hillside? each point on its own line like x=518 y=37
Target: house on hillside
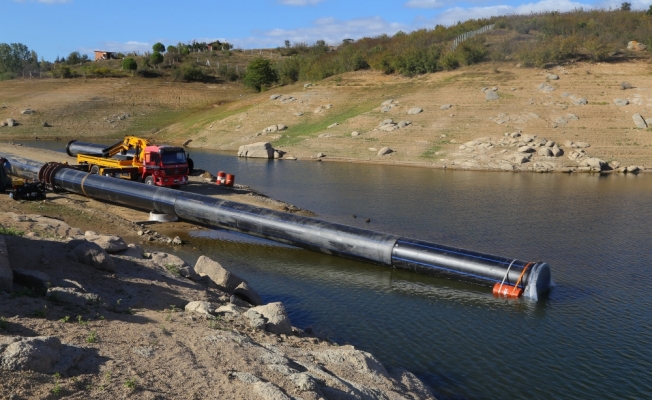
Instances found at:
x=104 y=55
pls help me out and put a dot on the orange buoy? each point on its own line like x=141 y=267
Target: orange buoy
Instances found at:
x=221 y=177
x=230 y=180
x=509 y=291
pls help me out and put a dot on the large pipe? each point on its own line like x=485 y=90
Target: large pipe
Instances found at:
x=310 y=233
x=88 y=149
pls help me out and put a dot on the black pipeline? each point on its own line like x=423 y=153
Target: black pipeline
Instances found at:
x=514 y=276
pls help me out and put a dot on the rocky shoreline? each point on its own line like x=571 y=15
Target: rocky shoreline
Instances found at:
x=85 y=314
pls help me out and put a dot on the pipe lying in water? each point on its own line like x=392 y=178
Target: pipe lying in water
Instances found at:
x=532 y=279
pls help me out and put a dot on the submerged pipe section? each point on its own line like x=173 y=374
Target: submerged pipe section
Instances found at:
x=532 y=279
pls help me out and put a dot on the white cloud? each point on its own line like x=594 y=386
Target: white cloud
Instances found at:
x=425 y=4
x=455 y=14
x=300 y=2
x=125 y=47
x=331 y=30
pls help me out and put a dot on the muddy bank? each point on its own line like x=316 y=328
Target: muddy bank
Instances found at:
x=88 y=315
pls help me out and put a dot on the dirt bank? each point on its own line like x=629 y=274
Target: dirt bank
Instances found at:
x=586 y=111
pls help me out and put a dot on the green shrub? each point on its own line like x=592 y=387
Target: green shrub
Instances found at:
x=7 y=76
x=129 y=64
x=191 y=73
x=260 y=73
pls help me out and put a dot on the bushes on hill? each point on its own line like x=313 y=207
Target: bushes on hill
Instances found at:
x=259 y=74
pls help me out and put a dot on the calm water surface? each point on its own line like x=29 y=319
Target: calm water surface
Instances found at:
x=592 y=337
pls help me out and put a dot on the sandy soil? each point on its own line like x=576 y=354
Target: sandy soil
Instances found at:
x=226 y=116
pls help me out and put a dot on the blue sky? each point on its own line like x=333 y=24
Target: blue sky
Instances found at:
x=58 y=27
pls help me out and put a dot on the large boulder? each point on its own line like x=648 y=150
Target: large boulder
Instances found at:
x=110 y=243
x=256 y=150
x=384 y=151
x=174 y=265
x=248 y=294
x=38 y=354
x=6 y=275
x=636 y=46
x=277 y=318
x=36 y=280
x=92 y=254
x=11 y=122
x=639 y=121
x=217 y=274
x=200 y=307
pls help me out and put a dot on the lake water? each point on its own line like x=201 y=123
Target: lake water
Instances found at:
x=590 y=338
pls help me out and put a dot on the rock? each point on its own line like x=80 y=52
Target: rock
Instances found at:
x=6 y=275
x=274 y=96
x=552 y=77
x=560 y=121
x=332 y=125
x=281 y=127
x=594 y=163
x=415 y=110
x=526 y=149
x=177 y=241
x=187 y=142
x=200 y=307
x=256 y=150
x=518 y=159
x=632 y=168
x=386 y=122
x=621 y=102
x=544 y=152
x=110 y=243
x=403 y=124
x=11 y=122
x=582 y=145
x=580 y=102
x=217 y=274
x=277 y=319
x=387 y=102
x=411 y=383
x=324 y=135
x=386 y=109
x=550 y=143
x=515 y=134
x=636 y=46
x=556 y=151
x=639 y=121
x=38 y=354
x=247 y=294
x=572 y=117
x=256 y=320
x=303 y=382
x=45 y=124
x=491 y=95
x=236 y=301
x=28 y=111
x=230 y=309
x=320 y=155
x=36 y=280
x=308 y=85
x=269 y=391
x=355 y=133
x=298 y=114
x=72 y=296
x=388 y=128
x=384 y=151
x=446 y=106
x=93 y=255
x=173 y=264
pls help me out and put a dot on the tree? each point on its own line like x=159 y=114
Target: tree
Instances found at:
x=287 y=44
x=156 y=58
x=74 y=58
x=13 y=57
x=260 y=73
x=649 y=11
x=171 y=49
x=184 y=50
x=129 y=64
x=158 y=48
x=626 y=6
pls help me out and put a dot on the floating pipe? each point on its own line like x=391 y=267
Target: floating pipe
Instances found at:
x=309 y=233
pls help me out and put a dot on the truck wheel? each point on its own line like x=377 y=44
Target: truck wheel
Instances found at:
x=149 y=180
x=95 y=170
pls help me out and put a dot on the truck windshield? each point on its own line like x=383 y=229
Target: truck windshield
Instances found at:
x=173 y=157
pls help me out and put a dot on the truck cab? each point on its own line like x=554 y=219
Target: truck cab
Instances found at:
x=165 y=166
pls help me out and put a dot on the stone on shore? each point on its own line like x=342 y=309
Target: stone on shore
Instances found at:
x=385 y=151
x=552 y=77
x=256 y=150
x=639 y=121
x=490 y=95
x=445 y=106
x=110 y=243
x=621 y=102
x=11 y=122
x=277 y=318
x=274 y=96
x=6 y=275
x=245 y=292
x=93 y=255
x=217 y=274
x=35 y=280
x=43 y=354
x=415 y=110
x=200 y=307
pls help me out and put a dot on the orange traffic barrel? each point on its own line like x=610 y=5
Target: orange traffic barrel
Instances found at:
x=509 y=291
x=221 y=177
x=230 y=180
